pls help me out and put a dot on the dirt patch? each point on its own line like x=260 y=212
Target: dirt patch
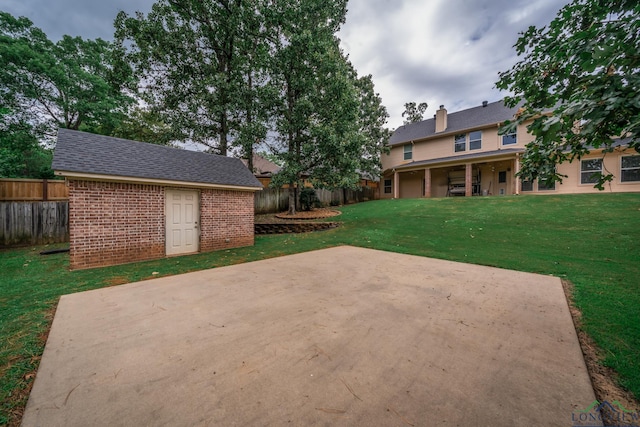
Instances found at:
x=120 y=280
x=603 y=379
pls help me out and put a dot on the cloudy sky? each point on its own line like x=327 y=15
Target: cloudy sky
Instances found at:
x=445 y=52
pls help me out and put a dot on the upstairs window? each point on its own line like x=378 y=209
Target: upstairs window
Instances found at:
x=408 y=151
x=460 y=142
x=509 y=139
x=475 y=140
x=590 y=171
x=630 y=169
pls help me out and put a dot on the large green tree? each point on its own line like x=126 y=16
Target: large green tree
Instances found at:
x=72 y=83
x=371 y=131
x=254 y=95
x=328 y=122
x=21 y=155
x=192 y=57
x=578 y=81
x=144 y=124
x=233 y=74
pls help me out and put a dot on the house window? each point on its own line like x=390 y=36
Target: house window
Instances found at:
x=387 y=186
x=460 y=142
x=509 y=139
x=590 y=171
x=475 y=140
x=502 y=177
x=630 y=169
x=408 y=151
x=546 y=185
x=526 y=185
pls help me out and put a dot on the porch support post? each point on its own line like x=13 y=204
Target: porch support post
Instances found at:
x=427 y=182
x=396 y=185
x=517 y=180
x=468 y=184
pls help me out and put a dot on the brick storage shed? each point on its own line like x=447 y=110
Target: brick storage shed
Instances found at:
x=133 y=201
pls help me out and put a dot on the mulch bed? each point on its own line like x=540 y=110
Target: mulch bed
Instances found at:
x=312 y=214
x=301 y=222
x=300 y=216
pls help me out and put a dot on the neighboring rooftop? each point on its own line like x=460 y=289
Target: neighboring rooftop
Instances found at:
x=263 y=167
x=91 y=154
x=492 y=113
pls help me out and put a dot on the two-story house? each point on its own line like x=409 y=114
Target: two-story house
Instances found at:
x=462 y=154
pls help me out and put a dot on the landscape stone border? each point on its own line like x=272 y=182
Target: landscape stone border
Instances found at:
x=297 y=227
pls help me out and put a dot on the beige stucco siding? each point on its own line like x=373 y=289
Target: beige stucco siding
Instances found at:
x=612 y=162
x=443 y=146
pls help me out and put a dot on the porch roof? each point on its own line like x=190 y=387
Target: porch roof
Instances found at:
x=484 y=155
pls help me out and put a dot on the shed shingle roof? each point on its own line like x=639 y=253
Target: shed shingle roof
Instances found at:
x=495 y=112
x=87 y=153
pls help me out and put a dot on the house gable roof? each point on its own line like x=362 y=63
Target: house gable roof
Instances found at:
x=96 y=155
x=476 y=117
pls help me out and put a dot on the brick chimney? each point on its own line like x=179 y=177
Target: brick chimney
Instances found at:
x=441 y=119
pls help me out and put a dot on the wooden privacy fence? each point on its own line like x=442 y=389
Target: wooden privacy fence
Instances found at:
x=271 y=200
x=33 y=190
x=345 y=196
x=33 y=223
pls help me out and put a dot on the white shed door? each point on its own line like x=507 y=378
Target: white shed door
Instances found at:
x=182 y=215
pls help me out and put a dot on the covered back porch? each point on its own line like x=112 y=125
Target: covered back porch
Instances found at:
x=481 y=176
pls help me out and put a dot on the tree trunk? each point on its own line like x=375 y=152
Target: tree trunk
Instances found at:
x=224 y=130
x=292 y=199
x=249 y=148
x=250 y=159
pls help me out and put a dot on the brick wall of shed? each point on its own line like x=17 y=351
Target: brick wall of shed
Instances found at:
x=226 y=219
x=115 y=223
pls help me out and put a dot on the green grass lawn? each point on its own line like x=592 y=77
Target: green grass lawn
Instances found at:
x=591 y=240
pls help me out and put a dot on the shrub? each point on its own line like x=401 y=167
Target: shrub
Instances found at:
x=335 y=203
x=308 y=198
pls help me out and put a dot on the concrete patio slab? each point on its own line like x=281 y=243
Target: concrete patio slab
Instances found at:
x=341 y=336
